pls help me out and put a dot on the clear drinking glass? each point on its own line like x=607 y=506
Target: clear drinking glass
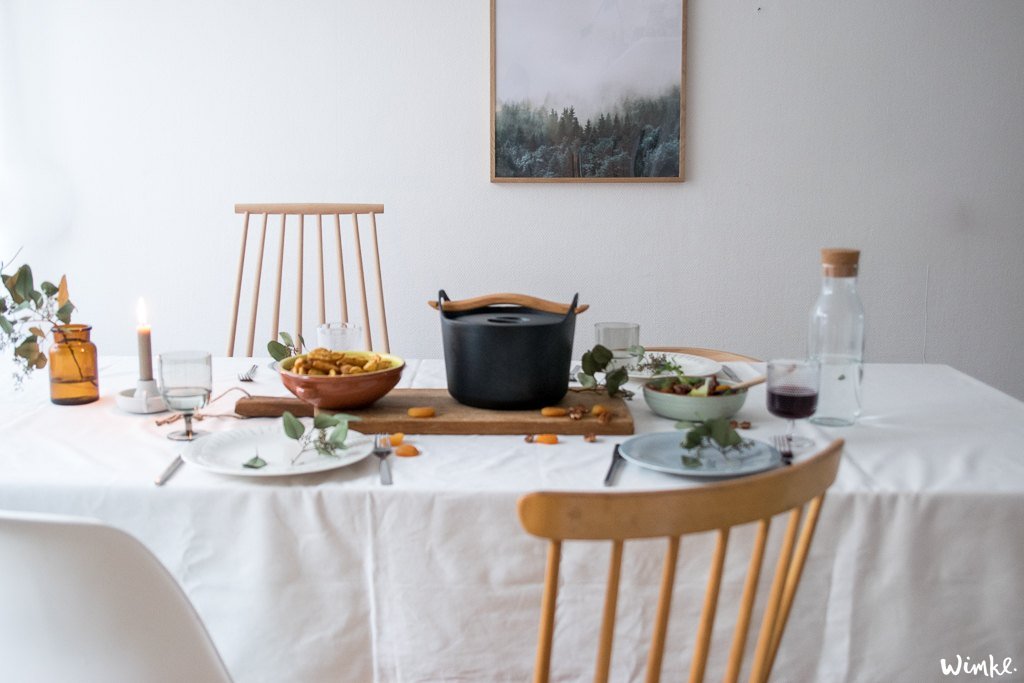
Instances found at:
x=340 y=337
x=617 y=338
x=793 y=393
x=186 y=379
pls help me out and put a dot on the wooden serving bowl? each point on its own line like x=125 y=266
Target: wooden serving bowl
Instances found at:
x=339 y=392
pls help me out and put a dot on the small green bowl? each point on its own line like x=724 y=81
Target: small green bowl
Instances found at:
x=693 y=408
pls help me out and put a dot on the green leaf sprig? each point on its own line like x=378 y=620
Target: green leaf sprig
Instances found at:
x=655 y=363
x=707 y=432
x=286 y=348
x=327 y=436
x=597 y=360
x=28 y=315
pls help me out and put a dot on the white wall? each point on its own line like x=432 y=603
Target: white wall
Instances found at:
x=129 y=129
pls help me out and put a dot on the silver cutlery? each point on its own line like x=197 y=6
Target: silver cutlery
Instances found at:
x=169 y=472
x=248 y=375
x=617 y=460
x=783 y=446
x=730 y=373
x=382 y=449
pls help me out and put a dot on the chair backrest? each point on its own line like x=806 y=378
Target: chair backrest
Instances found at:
x=617 y=517
x=713 y=354
x=292 y=218
x=80 y=601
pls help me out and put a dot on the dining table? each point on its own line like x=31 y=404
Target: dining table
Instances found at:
x=332 y=576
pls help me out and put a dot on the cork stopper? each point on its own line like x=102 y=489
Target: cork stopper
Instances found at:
x=839 y=262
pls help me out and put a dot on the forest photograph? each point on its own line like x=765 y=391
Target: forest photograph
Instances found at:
x=587 y=90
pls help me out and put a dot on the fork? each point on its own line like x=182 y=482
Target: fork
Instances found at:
x=382 y=449
x=782 y=444
x=248 y=374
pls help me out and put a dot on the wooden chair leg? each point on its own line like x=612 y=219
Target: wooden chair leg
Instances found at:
x=611 y=599
x=542 y=667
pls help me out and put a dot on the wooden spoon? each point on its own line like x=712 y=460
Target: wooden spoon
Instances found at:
x=748 y=383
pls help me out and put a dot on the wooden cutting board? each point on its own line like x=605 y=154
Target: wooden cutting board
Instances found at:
x=389 y=415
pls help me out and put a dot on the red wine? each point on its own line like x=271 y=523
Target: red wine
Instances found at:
x=792 y=402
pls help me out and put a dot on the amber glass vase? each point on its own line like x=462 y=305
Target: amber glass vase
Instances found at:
x=73 y=378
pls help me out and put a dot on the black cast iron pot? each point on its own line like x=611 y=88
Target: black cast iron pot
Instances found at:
x=507 y=351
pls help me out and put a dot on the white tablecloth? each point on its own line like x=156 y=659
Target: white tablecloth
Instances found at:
x=330 y=577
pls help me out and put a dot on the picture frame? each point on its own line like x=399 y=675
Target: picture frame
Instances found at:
x=590 y=91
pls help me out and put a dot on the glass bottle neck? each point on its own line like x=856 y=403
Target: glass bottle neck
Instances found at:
x=831 y=284
x=70 y=333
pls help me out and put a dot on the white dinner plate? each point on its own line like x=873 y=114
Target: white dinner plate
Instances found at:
x=693 y=366
x=663 y=452
x=225 y=452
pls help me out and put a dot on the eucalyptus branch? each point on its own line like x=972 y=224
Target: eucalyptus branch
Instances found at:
x=327 y=436
x=24 y=313
x=596 y=361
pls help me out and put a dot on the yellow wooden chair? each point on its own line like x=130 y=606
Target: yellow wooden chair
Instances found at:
x=617 y=517
x=297 y=228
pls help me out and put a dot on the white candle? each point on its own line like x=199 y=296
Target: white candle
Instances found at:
x=145 y=344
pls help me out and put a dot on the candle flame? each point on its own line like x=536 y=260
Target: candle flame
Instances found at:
x=140 y=312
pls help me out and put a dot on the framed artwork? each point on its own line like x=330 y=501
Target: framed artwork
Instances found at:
x=588 y=90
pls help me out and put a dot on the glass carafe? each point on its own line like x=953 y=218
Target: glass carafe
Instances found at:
x=836 y=339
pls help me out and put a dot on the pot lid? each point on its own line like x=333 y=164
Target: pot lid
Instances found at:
x=506 y=316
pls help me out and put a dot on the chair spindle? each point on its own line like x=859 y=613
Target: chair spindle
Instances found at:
x=299 y=281
x=668 y=578
x=256 y=287
x=707 y=615
x=238 y=286
x=367 y=336
x=320 y=261
x=280 y=272
x=380 y=283
x=759 y=672
x=739 y=639
x=341 y=269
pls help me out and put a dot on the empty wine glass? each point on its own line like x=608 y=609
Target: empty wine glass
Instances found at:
x=793 y=393
x=186 y=379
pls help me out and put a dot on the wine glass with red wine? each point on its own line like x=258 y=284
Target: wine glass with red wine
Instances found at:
x=793 y=394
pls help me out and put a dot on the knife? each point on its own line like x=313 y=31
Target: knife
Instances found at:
x=169 y=472
x=616 y=459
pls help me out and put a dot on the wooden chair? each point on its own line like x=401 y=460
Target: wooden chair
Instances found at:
x=561 y=516
x=713 y=354
x=297 y=228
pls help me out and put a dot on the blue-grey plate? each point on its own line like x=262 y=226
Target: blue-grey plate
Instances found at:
x=662 y=452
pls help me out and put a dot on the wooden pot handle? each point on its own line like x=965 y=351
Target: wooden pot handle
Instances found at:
x=507 y=298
